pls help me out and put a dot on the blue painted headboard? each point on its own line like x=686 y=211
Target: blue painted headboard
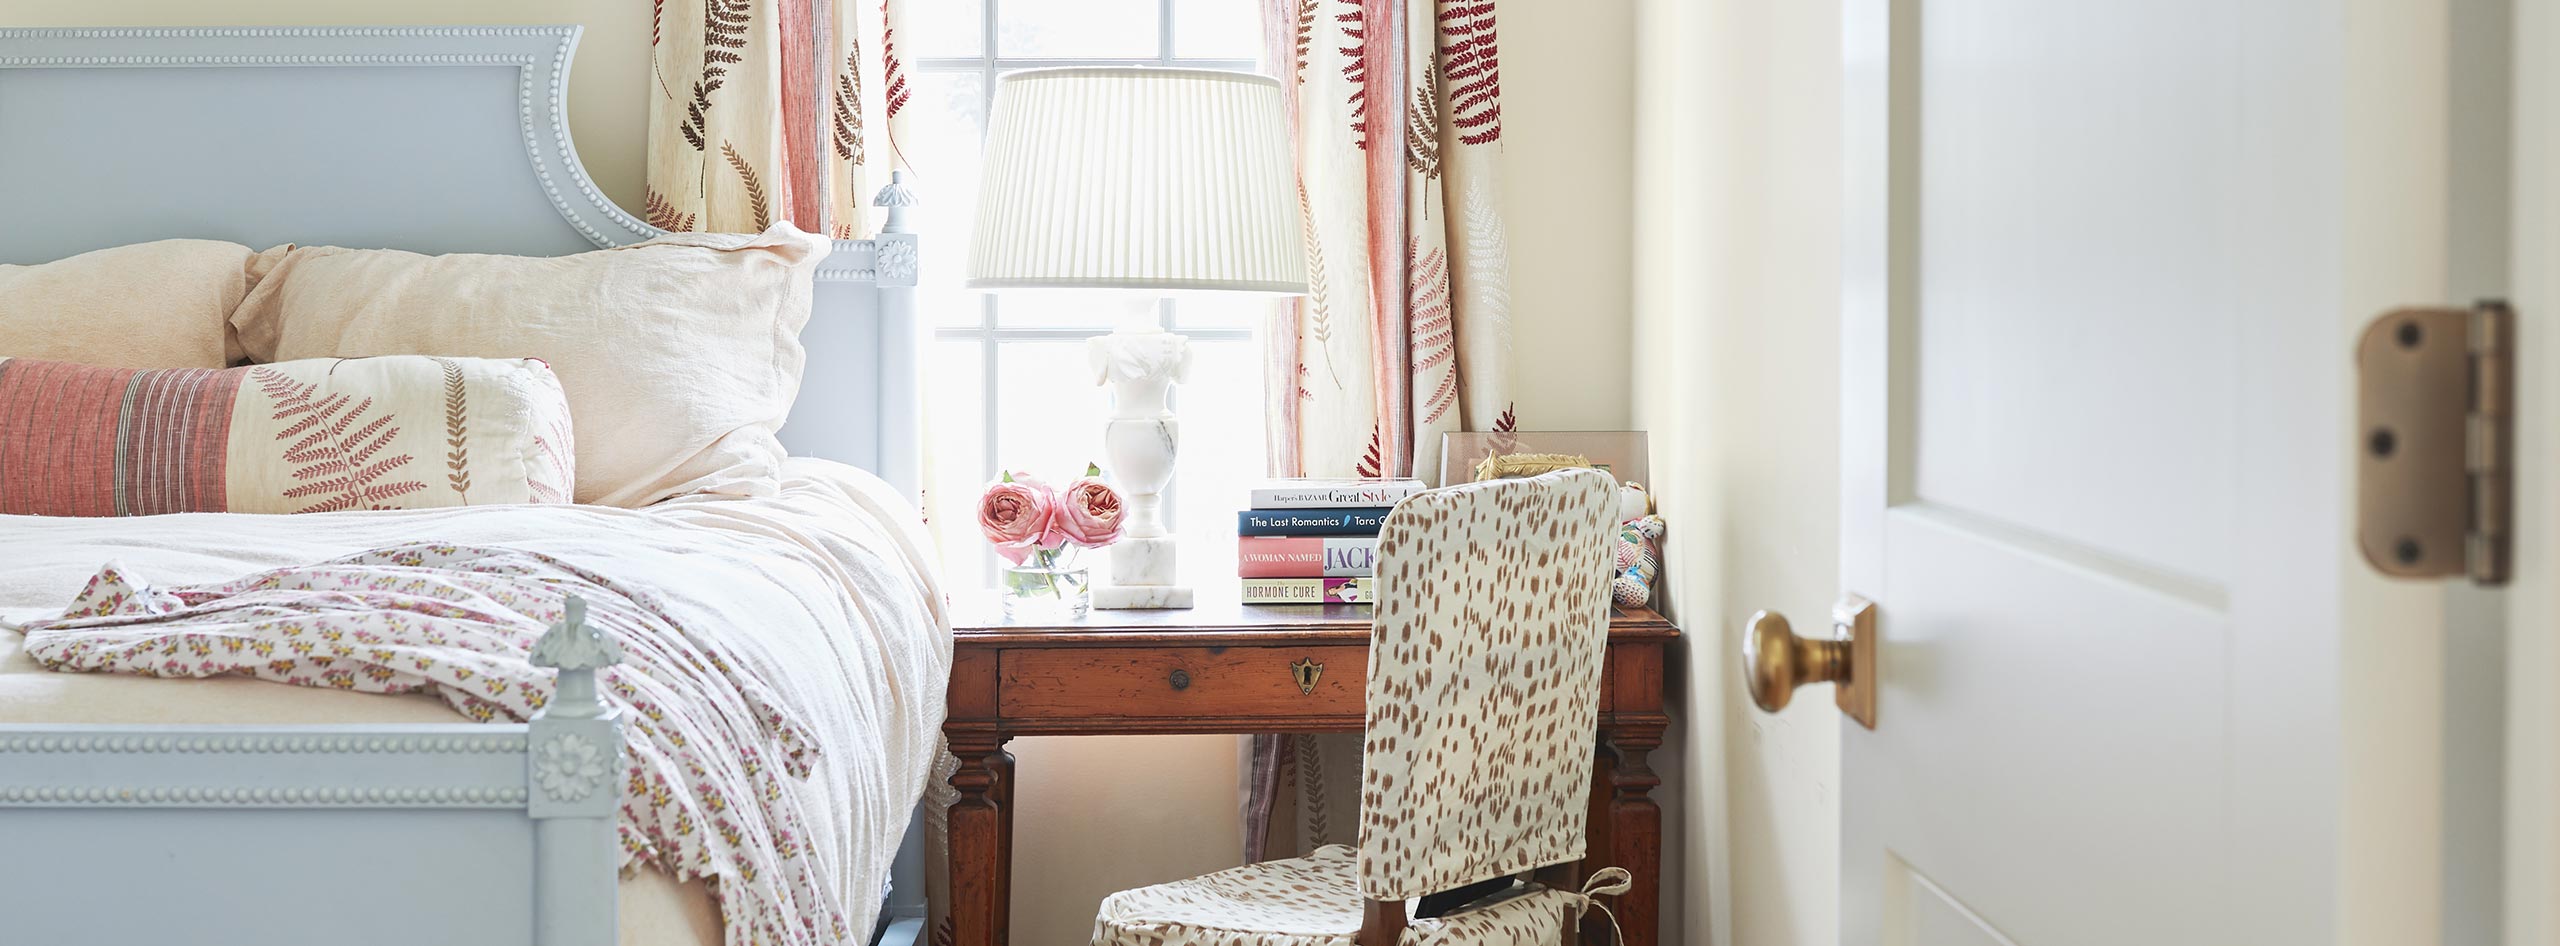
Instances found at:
x=433 y=139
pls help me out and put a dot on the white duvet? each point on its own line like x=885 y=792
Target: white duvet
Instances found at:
x=827 y=587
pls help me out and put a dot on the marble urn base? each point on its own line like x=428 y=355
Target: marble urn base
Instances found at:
x=1142 y=576
x=1141 y=362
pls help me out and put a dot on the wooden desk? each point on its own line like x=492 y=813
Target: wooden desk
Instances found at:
x=1225 y=668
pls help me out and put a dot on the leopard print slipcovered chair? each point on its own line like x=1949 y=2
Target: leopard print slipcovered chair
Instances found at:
x=1484 y=688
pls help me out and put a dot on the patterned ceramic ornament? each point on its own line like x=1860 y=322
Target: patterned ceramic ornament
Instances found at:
x=1639 y=559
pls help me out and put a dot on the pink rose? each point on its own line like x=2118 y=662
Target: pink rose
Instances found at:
x=1019 y=516
x=1089 y=513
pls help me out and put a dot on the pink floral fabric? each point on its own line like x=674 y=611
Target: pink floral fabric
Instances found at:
x=708 y=747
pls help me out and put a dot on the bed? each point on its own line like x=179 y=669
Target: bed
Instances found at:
x=231 y=810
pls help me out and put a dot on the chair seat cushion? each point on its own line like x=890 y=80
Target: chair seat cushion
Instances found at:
x=1308 y=901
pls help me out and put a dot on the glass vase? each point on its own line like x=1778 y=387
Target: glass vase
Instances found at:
x=1039 y=594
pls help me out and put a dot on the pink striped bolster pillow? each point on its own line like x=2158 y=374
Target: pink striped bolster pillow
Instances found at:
x=319 y=435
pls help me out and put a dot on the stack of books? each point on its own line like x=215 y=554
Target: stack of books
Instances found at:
x=1309 y=541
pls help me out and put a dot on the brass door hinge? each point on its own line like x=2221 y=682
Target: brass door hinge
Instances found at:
x=2435 y=469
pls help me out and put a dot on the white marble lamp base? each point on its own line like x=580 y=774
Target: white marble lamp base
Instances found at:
x=1142 y=577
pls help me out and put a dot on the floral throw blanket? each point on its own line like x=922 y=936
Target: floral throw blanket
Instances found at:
x=707 y=746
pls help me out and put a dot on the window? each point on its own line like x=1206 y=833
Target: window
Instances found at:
x=1005 y=379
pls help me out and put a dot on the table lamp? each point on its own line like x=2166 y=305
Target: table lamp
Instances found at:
x=1132 y=184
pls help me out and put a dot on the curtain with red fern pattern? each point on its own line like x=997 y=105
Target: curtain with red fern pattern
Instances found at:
x=769 y=110
x=1405 y=332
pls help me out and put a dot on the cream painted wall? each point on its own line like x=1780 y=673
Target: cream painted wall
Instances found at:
x=1102 y=814
x=1737 y=376
x=1568 y=126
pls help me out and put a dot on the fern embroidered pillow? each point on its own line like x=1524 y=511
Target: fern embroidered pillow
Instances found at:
x=319 y=435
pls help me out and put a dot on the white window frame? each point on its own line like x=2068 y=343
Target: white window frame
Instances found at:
x=990 y=333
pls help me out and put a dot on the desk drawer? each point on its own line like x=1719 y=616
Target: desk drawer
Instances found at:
x=1164 y=682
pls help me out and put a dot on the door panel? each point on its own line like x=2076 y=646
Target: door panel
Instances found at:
x=2051 y=761
x=2054 y=584
x=2075 y=328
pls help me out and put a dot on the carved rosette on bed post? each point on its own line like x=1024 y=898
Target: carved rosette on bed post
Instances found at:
x=572 y=759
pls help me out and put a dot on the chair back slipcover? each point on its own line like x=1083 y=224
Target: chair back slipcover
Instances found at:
x=1484 y=681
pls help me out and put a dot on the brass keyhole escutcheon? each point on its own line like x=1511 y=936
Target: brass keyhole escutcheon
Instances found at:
x=1306 y=671
x=1775 y=661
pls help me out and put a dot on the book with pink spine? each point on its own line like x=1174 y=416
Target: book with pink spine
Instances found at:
x=1306 y=556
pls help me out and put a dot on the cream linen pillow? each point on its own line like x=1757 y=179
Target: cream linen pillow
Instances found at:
x=164 y=304
x=680 y=355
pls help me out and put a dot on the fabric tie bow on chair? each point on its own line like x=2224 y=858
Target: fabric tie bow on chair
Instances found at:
x=1610 y=882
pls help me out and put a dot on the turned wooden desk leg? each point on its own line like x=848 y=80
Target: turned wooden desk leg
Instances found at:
x=1634 y=827
x=981 y=840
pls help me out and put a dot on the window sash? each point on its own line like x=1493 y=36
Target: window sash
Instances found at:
x=989 y=333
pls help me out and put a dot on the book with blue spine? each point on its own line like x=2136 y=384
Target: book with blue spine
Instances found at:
x=1338 y=521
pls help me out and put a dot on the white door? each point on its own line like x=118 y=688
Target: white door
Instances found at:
x=2106 y=263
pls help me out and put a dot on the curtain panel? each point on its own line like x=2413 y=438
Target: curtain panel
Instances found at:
x=770 y=110
x=1405 y=334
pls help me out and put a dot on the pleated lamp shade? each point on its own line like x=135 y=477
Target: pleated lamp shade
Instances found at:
x=1119 y=177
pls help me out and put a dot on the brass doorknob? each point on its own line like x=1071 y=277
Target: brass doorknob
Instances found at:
x=1775 y=661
